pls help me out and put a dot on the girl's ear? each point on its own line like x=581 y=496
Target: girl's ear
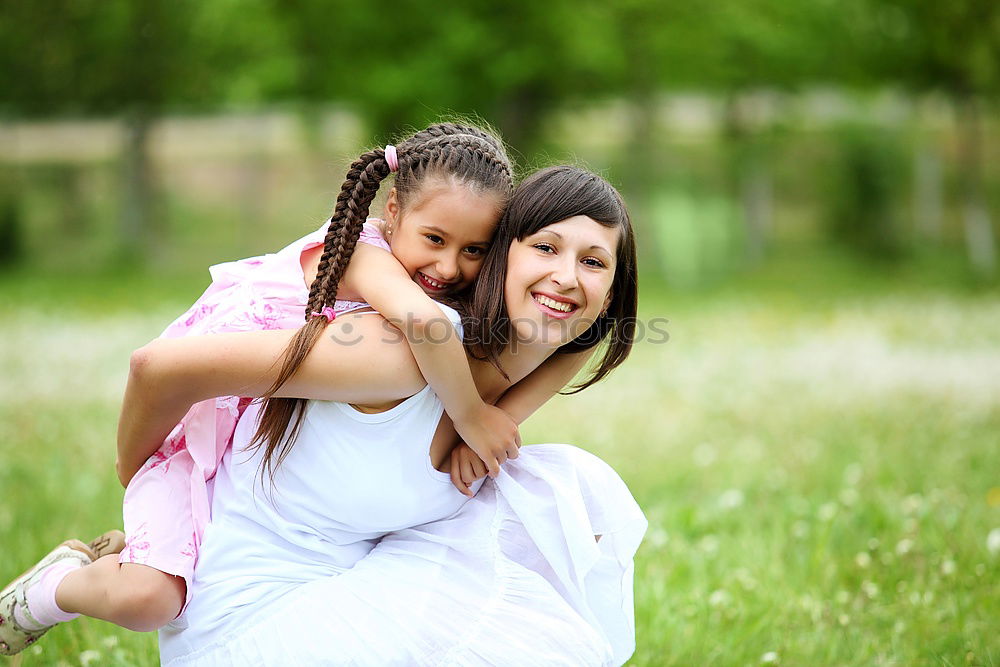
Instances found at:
x=391 y=209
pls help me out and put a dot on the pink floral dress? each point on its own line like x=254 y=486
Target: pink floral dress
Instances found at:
x=167 y=504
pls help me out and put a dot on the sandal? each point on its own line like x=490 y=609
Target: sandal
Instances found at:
x=13 y=637
x=111 y=542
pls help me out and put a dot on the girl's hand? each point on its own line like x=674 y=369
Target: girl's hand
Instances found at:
x=466 y=468
x=491 y=434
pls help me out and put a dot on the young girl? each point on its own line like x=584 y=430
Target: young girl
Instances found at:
x=452 y=182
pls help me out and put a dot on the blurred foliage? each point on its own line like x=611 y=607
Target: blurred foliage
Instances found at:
x=519 y=65
x=509 y=62
x=862 y=188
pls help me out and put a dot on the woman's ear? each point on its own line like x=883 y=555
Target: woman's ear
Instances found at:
x=607 y=302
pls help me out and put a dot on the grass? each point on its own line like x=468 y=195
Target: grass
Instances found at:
x=817 y=458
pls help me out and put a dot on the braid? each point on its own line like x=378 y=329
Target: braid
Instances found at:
x=467 y=154
x=349 y=215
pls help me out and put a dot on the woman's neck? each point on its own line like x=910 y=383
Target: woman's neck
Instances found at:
x=519 y=360
x=517 y=363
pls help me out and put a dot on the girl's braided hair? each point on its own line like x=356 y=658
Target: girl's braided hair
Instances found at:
x=459 y=153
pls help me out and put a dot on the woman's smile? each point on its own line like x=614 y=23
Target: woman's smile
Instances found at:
x=565 y=271
x=555 y=306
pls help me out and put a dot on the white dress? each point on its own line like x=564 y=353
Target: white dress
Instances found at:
x=297 y=573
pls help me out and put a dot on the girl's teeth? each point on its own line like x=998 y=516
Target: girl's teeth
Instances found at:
x=433 y=283
x=553 y=304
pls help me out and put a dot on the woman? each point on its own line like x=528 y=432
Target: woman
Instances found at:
x=290 y=570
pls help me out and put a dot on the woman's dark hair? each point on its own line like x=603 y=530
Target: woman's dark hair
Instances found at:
x=459 y=153
x=548 y=196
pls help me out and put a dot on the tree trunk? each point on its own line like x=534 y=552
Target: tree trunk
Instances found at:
x=521 y=117
x=137 y=189
x=757 y=195
x=639 y=176
x=979 y=239
x=750 y=181
x=75 y=221
x=927 y=193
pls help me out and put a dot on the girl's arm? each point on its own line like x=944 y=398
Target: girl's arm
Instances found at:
x=520 y=402
x=167 y=376
x=382 y=283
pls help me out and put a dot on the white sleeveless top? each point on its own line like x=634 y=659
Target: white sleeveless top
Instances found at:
x=349 y=479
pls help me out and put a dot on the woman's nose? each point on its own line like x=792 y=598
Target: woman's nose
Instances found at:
x=564 y=274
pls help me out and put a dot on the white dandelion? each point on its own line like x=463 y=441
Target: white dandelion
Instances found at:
x=852 y=474
x=993 y=542
x=704 y=455
x=719 y=598
x=849 y=496
x=730 y=499
x=89 y=656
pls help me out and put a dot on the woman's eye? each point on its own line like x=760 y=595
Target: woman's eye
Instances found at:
x=593 y=261
x=544 y=247
x=434 y=238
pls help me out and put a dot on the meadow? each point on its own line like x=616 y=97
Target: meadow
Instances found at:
x=815 y=446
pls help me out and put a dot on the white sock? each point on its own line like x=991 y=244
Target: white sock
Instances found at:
x=41 y=598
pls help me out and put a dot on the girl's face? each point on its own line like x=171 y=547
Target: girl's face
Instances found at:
x=559 y=280
x=442 y=237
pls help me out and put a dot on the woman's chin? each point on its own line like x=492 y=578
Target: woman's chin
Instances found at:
x=551 y=332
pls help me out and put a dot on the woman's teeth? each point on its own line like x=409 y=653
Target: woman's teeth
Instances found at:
x=553 y=304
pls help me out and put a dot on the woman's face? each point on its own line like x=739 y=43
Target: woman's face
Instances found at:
x=442 y=237
x=559 y=280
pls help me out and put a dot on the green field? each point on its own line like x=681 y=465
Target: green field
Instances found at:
x=819 y=461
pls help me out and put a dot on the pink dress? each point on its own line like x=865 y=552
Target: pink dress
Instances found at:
x=167 y=503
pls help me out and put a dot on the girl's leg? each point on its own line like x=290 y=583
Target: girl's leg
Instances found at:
x=136 y=597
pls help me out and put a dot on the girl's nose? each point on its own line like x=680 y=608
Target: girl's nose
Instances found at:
x=448 y=268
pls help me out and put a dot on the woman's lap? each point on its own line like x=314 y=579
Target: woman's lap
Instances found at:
x=507 y=579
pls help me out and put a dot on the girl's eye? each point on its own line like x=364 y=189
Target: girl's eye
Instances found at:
x=434 y=238
x=594 y=262
x=544 y=247
x=475 y=251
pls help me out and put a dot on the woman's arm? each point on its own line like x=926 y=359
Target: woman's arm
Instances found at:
x=383 y=283
x=167 y=376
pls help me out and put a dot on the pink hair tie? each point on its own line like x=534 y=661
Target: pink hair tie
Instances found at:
x=390 y=158
x=327 y=312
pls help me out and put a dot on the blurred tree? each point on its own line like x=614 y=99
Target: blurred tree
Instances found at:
x=954 y=48
x=11 y=233
x=135 y=59
x=510 y=64
x=736 y=48
x=862 y=187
